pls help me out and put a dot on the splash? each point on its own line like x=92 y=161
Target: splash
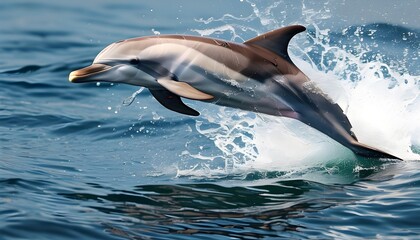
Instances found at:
x=379 y=95
x=128 y=101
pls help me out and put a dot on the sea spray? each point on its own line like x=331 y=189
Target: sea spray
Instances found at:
x=129 y=100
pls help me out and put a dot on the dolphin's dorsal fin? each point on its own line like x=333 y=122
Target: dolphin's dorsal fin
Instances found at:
x=278 y=40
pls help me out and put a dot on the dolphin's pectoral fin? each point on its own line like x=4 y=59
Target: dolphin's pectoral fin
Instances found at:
x=183 y=89
x=278 y=40
x=173 y=102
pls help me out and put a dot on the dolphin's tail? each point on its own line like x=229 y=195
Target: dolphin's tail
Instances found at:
x=370 y=152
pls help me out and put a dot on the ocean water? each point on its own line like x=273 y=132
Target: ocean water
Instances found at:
x=77 y=163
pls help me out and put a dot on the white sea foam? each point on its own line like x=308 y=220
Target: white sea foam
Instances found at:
x=382 y=116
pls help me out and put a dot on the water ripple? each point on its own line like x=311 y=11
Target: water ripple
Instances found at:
x=29 y=120
x=196 y=209
x=24 y=69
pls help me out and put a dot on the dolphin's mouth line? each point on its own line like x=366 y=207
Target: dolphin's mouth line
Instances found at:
x=78 y=75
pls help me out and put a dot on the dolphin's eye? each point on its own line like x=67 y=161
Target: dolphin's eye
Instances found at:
x=134 y=61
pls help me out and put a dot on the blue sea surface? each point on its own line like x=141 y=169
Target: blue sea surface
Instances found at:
x=76 y=163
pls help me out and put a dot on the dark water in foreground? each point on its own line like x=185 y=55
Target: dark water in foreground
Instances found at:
x=77 y=164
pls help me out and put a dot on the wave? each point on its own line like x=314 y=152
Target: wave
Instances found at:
x=236 y=209
x=33 y=120
x=37 y=46
x=43 y=80
x=20 y=221
x=249 y=209
x=24 y=69
x=114 y=129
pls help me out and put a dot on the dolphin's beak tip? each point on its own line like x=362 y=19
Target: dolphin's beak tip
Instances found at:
x=72 y=77
x=85 y=74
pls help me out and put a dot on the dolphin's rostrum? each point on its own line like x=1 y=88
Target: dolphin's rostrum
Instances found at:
x=257 y=76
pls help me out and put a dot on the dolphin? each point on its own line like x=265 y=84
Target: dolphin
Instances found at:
x=257 y=75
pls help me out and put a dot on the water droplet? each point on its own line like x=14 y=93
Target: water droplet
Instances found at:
x=128 y=101
x=156 y=116
x=155 y=32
